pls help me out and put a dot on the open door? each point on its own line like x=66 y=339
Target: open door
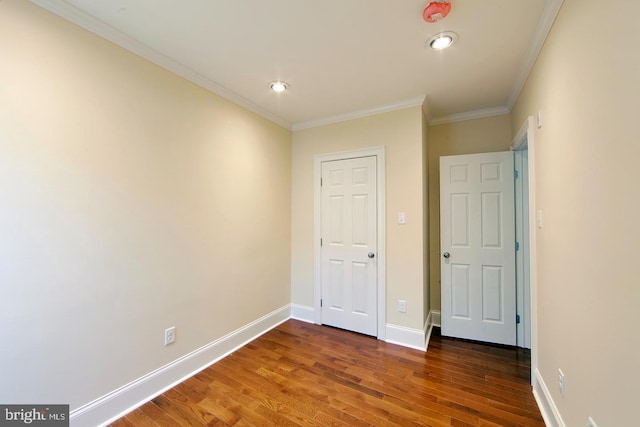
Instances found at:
x=477 y=241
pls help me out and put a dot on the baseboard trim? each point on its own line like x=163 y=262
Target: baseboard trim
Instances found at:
x=435 y=319
x=303 y=313
x=116 y=404
x=406 y=337
x=545 y=402
x=428 y=329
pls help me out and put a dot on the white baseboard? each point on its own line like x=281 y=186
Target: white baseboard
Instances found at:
x=545 y=402
x=428 y=329
x=303 y=313
x=406 y=337
x=435 y=318
x=400 y=335
x=119 y=402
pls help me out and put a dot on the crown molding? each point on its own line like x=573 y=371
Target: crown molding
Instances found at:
x=86 y=21
x=89 y=23
x=400 y=105
x=548 y=17
x=470 y=115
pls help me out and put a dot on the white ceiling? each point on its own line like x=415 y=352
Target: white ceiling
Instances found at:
x=342 y=58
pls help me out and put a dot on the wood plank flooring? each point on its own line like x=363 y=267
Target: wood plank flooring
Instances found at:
x=303 y=374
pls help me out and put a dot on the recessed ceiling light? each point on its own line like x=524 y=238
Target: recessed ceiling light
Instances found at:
x=279 y=86
x=442 y=40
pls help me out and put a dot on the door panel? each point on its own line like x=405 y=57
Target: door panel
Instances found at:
x=460 y=295
x=492 y=294
x=460 y=220
x=477 y=231
x=349 y=218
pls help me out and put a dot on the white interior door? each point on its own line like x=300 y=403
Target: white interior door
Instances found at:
x=348 y=252
x=477 y=242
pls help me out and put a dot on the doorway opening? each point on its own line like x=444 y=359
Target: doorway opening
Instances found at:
x=523 y=288
x=456 y=238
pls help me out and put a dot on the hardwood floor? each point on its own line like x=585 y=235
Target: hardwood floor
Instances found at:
x=303 y=374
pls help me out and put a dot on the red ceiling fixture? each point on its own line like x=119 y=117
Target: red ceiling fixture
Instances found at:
x=436 y=11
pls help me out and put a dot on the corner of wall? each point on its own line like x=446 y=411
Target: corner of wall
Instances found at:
x=303 y=313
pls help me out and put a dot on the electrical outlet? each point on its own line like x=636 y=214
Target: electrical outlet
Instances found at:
x=561 y=381
x=402 y=306
x=591 y=423
x=169 y=335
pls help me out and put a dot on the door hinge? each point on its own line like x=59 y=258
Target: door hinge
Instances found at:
x=516 y=174
x=320 y=242
x=517 y=318
x=320 y=182
x=517 y=246
x=320 y=303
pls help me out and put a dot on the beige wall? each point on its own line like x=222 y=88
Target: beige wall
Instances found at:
x=400 y=132
x=468 y=137
x=132 y=201
x=587 y=185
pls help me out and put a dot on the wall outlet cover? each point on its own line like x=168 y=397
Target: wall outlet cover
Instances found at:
x=169 y=335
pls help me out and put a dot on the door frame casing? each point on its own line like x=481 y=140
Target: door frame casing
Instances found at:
x=523 y=287
x=377 y=152
x=525 y=139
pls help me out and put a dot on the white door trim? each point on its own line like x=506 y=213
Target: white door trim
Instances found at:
x=523 y=288
x=378 y=152
x=525 y=139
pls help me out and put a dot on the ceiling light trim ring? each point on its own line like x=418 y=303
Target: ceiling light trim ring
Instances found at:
x=279 y=86
x=442 y=40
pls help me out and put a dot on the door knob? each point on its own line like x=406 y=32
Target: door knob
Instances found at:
x=371 y=255
x=446 y=254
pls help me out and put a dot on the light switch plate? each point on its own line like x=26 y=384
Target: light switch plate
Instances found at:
x=402 y=306
x=539 y=119
x=402 y=219
x=539 y=219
